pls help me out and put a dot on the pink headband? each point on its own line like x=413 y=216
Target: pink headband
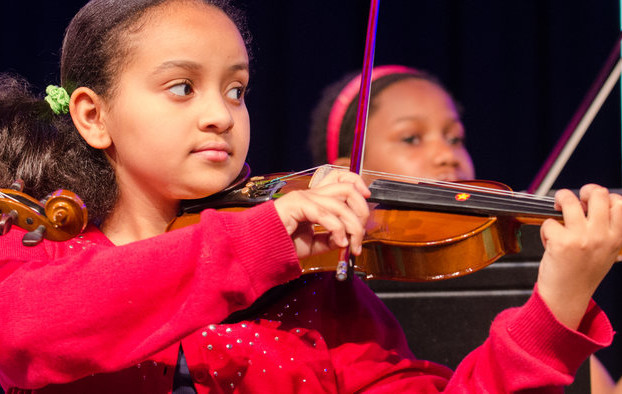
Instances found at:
x=343 y=100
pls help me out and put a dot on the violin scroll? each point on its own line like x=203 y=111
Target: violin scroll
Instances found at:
x=61 y=216
x=66 y=212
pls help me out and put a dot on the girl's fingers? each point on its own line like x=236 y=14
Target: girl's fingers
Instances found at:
x=348 y=193
x=615 y=203
x=337 y=203
x=549 y=229
x=322 y=243
x=342 y=176
x=579 y=253
x=353 y=224
x=334 y=226
x=572 y=210
x=584 y=194
x=596 y=198
x=339 y=208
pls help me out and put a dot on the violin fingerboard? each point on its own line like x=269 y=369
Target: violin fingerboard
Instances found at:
x=428 y=197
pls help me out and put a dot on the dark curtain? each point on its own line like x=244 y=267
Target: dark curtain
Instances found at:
x=519 y=68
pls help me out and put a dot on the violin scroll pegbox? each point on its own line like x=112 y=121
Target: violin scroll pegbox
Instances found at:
x=59 y=217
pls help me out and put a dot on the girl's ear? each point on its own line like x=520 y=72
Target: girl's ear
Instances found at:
x=87 y=110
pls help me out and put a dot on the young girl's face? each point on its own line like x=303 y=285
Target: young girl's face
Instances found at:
x=177 y=117
x=415 y=130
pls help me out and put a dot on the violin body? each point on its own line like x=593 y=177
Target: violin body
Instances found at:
x=403 y=241
x=409 y=245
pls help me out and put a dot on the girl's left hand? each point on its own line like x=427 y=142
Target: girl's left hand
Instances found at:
x=579 y=253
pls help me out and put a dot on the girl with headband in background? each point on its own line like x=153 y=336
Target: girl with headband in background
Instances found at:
x=154 y=113
x=413 y=129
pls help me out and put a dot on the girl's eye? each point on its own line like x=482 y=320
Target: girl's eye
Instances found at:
x=412 y=139
x=236 y=93
x=181 y=89
x=455 y=141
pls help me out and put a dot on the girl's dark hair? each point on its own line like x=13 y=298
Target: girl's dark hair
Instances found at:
x=45 y=150
x=319 y=116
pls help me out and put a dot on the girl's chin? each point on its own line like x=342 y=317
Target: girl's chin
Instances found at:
x=204 y=191
x=206 y=183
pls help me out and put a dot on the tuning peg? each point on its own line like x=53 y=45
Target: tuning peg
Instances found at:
x=33 y=237
x=6 y=221
x=45 y=199
x=18 y=185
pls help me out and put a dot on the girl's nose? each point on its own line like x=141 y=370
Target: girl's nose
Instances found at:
x=215 y=114
x=444 y=154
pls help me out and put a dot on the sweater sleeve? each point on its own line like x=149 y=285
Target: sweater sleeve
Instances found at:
x=527 y=349
x=68 y=311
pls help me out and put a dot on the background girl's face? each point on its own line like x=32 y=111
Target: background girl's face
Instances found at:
x=415 y=130
x=177 y=117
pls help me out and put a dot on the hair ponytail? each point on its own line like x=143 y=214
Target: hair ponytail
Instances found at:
x=46 y=152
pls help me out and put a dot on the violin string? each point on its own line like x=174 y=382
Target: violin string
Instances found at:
x=308 y=171
x=465 y=187
x=25 y=203
x=510 y=195
x=517 y=200
x=509 y=198
x=514 y=203
x=8 y=196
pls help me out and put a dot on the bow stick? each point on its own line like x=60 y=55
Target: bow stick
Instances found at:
x=591 y=104
x=356 y=157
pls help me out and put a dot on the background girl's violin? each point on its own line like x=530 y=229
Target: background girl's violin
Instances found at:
x=419 y=229
x=61 y=216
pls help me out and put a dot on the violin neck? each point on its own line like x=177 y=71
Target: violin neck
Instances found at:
x=463 y=201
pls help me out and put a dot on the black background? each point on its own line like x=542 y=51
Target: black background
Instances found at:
x=520 y=69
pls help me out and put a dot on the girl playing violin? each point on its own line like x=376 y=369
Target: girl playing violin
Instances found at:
x=156 y=114
x=414 y=126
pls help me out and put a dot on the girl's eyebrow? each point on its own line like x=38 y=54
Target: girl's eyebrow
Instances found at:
x=193 y=66
x=184 y=64
x=239 y=67
x=409 y=117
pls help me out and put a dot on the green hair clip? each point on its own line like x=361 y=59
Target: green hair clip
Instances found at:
x=58 y=98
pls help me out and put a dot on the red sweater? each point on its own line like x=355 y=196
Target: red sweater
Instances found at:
x=86 y=316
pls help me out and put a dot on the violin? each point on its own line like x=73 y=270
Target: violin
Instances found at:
x=59 y=217
x=418 y=230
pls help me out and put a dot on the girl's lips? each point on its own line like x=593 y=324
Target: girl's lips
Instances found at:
x=213 y=155
x=213 y=151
